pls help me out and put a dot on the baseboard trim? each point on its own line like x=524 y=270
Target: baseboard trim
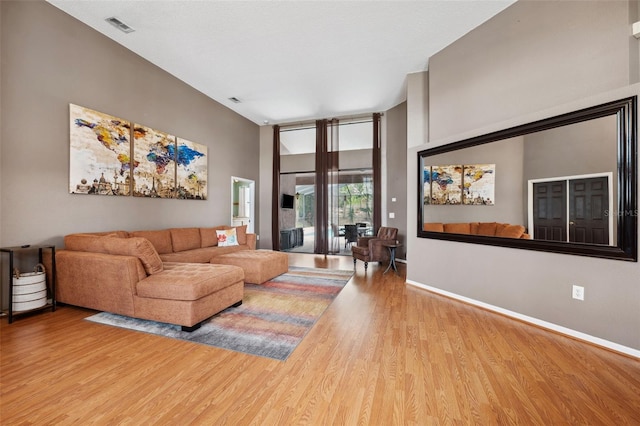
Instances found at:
x=535 y=321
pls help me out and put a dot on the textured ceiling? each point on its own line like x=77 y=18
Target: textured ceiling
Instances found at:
x=289 y=61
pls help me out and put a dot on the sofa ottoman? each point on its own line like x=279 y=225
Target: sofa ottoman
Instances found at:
x=258 y=265
x=188 y=293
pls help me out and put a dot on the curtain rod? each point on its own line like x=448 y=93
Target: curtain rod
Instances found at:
x=351 y=119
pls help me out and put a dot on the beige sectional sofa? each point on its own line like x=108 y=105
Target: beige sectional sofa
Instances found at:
x=194 y=245
x=163 y=275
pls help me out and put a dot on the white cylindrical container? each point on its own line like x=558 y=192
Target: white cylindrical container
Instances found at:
x=29 y=289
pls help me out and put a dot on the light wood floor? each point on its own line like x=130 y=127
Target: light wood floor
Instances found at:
x=384 y=353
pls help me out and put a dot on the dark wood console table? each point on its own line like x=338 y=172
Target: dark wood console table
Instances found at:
x=52 y=285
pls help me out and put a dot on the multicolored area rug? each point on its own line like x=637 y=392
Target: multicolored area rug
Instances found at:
x=273 y=319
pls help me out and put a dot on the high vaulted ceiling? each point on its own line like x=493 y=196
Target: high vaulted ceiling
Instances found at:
x=289 y=61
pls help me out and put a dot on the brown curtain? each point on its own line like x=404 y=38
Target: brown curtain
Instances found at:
x=332 y=185
x=275 y=205
x=377 y=178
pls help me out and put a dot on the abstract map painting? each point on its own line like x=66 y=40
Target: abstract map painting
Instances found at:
x=155 y=159
x=100 y=153
x=446 y=184
x=479 y=184
x=426 y=185
x=192 y=170
x=163 y=166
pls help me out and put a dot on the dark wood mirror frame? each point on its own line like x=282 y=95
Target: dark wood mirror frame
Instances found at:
x=626 y=203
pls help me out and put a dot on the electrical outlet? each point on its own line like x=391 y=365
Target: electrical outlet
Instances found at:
x=578 y=292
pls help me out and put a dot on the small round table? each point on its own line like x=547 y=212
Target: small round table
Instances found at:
x=392 y=246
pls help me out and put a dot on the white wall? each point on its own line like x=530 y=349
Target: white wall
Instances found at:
x=534 y=60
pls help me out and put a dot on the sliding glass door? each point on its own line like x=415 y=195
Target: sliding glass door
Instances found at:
x=297 y=203
x=326 y=185
x=351 y=211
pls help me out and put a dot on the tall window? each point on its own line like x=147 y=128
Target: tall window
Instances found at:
x=330 y=191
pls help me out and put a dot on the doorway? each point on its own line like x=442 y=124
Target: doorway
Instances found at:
x=573 y=209
x=243 y=203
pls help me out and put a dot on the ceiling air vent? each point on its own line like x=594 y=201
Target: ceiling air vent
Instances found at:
x=120 y=25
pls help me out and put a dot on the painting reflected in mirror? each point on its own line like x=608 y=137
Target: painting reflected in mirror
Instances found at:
x=566 y=184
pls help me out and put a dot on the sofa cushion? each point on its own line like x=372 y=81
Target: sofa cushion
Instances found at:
x=209 y=237
x=112 y=244
x=259 y=266
x=79 y=242
x=458 y=228
x=201 y=255
x=121 y=234
x=228 y=249
x=511 y=231
x=486 y=228
x=135 y=246
x=500 y=227
x=434 y=227
x=185 y=238
x=189 y=281
x=241 y=234
x=82 y=242
x=161 y=239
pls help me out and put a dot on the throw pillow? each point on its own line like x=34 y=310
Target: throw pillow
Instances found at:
x=227 y=237
x=241 y=234
x=134 y=246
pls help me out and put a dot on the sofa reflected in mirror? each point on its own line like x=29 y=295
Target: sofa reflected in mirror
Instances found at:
x=487 y=229
x=568 y=183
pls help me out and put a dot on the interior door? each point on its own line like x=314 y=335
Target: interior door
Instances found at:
x=243 y=203
x=588 y=204
x=573 y=210
x=550 y=210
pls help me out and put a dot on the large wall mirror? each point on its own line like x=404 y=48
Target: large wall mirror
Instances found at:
x=565 y=184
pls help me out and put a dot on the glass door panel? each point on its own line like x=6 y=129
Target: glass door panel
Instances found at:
x=297 y=186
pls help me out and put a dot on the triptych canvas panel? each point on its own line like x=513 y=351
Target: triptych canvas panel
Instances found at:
x=112 y=156
x=459 y=184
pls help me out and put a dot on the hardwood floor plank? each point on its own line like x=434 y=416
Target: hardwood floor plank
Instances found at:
x=382 y=353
